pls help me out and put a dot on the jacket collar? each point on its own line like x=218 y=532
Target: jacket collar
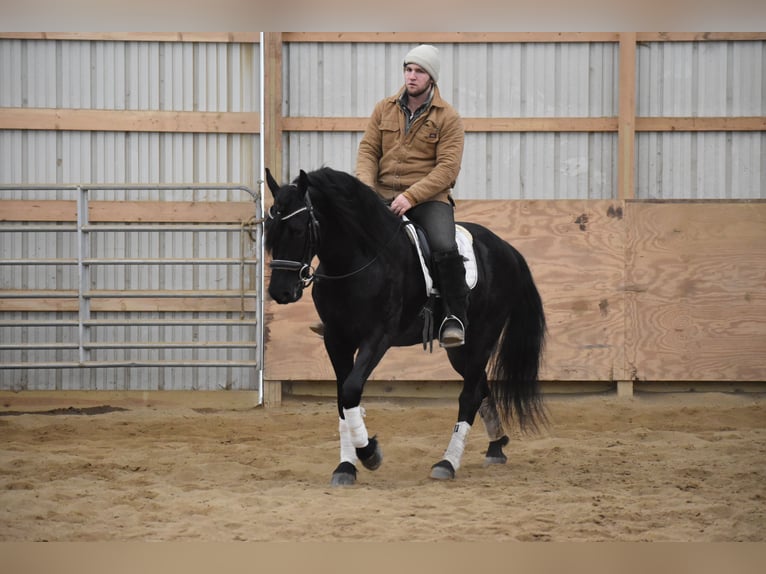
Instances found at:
x=436 y=99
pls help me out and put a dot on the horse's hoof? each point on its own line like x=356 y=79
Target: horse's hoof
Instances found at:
x=443 y=470
x=495 y=453
x=371 y=455
x=344 y=475
x=490 y=460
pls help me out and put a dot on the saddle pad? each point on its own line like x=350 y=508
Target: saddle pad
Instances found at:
x=465 y=246
x=464 y=241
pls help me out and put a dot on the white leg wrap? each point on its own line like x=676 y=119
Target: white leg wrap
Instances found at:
x=491 y=421
x=355 y=421
x=454 y=452
x=347 y=450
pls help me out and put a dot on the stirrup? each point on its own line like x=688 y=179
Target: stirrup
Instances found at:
x=451 y=332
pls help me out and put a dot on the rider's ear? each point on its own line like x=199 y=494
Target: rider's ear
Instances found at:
x=272 y=183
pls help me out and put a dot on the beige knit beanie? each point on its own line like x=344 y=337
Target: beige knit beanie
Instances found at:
x=427 y=57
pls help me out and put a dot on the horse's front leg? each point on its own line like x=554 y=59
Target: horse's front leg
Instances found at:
x=342 y=359
x=345 y=473
x=355 y=442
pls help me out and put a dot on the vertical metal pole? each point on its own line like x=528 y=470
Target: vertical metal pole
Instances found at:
x=83 y=273
x=259 y=206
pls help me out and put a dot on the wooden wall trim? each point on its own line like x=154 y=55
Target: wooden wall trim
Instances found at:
x=626 y=122
x=400 y=37
x=273 y=120
x=701 y=124
x=495 y=124
x=700 y=36
x=248 y=123
x=515 y=37
x=449 y=37
x=128 y=211
x=217 y=37
x=128 y=120
x=191 y=304
x=554 y=124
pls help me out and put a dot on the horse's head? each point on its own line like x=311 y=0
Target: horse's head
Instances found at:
x=292 y=237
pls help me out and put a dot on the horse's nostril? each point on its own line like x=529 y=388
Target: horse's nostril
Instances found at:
x=285 y=296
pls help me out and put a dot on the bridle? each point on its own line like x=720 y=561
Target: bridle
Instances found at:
x=306 y=273
x=303 y=268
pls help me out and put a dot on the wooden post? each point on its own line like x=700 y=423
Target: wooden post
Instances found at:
x=272 y=157
x=272 y=393
x=626 y=155
x=625 y=389
x=272 y=77
x=626 y=124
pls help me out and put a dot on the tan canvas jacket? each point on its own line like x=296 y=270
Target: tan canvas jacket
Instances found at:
x=424 y=163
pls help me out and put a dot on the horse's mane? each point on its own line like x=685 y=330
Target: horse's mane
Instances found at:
x=341 y=197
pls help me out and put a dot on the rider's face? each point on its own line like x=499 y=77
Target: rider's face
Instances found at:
x=416 y=80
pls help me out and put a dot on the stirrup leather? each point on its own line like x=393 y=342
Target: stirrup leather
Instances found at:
x=457 y=342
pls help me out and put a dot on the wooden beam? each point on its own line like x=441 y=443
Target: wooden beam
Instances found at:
x=449 y=37
x=626 y=122
x=38 y=210
x=229 y=400
x=389 y=37
x=428 y=389
x=540 y=124
x=218 y=37
x=129 y=305
x=700 y=36
x=319 y=124
x=60 y=119
x=702 y=124
x=128 y=211
x=350 y=124
x=272 y=137
x=171 y=211
x=245 y=122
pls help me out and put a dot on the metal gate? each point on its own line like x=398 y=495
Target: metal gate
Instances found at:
x=132 y=305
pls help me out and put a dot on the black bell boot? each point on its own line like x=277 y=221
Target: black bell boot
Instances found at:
x=450 y=270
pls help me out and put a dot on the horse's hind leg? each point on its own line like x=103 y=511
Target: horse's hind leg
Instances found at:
x=469 y=401
x=497 y=437
x=473 y=398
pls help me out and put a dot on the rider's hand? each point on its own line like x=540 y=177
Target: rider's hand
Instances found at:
x=400 y=205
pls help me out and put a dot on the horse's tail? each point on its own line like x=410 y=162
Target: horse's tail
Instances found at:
x=513 y=374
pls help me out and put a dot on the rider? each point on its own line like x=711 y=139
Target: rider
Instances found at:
x=410 y=155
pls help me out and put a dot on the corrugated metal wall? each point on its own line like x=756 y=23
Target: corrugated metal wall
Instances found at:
x=480 y=80
x=701 y=79
x=345 y=79
x=485 y=80
x=124 y=75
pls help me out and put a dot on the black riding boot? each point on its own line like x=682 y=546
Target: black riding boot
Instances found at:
x=450 y=270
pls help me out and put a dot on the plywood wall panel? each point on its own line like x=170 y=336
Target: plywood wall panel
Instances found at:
x=696 y=291
x=575 y=250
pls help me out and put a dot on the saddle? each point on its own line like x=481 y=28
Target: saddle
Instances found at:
x=418 y=238
x=464 y=241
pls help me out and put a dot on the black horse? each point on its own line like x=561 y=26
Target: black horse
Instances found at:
x=370 y=293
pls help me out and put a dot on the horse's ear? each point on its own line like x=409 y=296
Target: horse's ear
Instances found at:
x=272 y=183
x=303 y=181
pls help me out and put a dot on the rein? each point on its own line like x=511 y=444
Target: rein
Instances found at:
x=305 y=271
